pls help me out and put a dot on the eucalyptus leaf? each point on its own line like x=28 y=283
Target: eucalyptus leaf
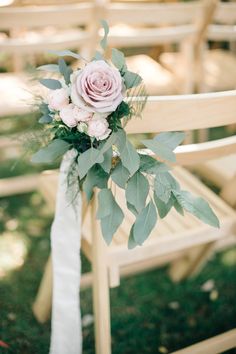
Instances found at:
x=137 y=191
x=132 y=79
x=120 y=175
x=110 y=214
x=105 y=201
x=52 y=152
x=131 y=242
x=87 y=159
x=198 y=207
x=54 y=68
x=132 y=209
x=163 y=208
x=110 y=223
x=145 y=223
x=52 y=84
x=66 y=53
x=160 y=149
x=164 y=184
x=98 y=56
x=64 y=70
x=45 y=119
x=103 y=42
x=96 y=177
x=171 y=139
x=106 y=164
x=118 y=59
x=130 y=158
x=150 y=165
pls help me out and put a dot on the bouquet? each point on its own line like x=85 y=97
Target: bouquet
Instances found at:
x=86 y=110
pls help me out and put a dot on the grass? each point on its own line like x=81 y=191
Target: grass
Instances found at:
x=149 y=313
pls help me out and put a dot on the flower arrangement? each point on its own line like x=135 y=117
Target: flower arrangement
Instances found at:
x=87 y=110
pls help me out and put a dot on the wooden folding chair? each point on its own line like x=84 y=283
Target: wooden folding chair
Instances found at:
x=159 y=24
x=174 y=236
x=74 y=29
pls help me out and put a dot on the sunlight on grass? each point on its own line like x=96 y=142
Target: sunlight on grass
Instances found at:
x=13 y=251
x=229 y=258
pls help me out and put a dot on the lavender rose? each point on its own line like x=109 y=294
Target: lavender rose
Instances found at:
x=97 y=88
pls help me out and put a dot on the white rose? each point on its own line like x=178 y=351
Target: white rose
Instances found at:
x=98 y=128
x=57 y=99
x=81 y=115
x=67 y=116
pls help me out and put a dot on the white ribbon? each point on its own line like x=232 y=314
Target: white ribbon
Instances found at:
x=66 y=336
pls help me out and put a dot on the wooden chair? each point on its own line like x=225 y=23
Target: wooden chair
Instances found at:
x=157 y=24
x=218 y=66
x=36 y=30
x=25 y=26
x=173 y=237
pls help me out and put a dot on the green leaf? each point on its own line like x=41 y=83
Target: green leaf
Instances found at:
x=45 y=119
x=103 y=42
x=132 y=209
x=150 y=165
x=145 y=223
x=171 y=139
x=163 y=208
x=96 y=177
x=198 y=207
x=120 y=175
x=54 y=68
x=87 y=159
x=52 y=84
x=98 y=56
x=43 y=107
x=52 y=152
x=132 y=79
x=160 y=150
x=106 y=164
x=137 y=191
x=177 y=206
x=66 y=53
x=105 y=201
x=110 y=214
x=64 y=70
x=118 y=59
x=130 y=158
x=164 y=184
x=131 y=242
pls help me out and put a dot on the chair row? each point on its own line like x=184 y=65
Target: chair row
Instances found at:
x=30 y=31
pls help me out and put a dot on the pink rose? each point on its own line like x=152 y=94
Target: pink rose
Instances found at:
x=98 y=127
x=57 y=99
x=72 y=115
x=97 y=88
x=67 y=116
x=81 y=115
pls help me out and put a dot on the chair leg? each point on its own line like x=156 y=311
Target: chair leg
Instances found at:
x=101 y=292
x=191 y=263
x=43 y=302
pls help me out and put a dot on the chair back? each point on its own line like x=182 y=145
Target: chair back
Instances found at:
x=189 y=112
x=224 y=22
x=38 y=29
x=155 y=23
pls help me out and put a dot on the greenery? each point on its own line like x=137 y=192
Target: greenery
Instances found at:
x=150 y=314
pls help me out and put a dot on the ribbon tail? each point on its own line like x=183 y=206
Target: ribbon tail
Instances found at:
x=66 y=336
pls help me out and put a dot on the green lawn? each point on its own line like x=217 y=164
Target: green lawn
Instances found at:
x=149 y=313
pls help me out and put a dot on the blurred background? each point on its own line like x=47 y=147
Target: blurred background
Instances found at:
x=178 y=48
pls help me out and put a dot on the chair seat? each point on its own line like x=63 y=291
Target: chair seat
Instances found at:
x=220 y=171
x=170 y=235
x=158 y=80
x=15 y=94
x=219 y=67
